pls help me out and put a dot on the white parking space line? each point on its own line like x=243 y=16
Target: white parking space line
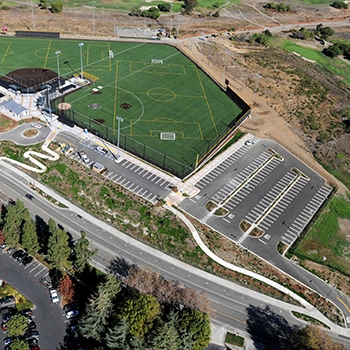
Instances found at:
x=142 y=170
x=262 y=241
x=118 y=178
x=34 y=268
x=40 y=271
x=133 y=167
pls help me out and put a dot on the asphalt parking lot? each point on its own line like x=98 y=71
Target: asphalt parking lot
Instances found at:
x=150 y=185
x=48 y=318
x=265 y=186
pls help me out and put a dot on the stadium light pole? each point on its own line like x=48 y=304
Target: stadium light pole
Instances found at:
x=81 y=59
x=119 y=119
x=256 y=89
x=57 y=53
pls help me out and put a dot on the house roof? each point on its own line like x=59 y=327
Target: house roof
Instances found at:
x=14 y=107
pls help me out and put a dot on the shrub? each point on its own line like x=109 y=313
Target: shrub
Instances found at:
x=338 y=4
x=56 y=7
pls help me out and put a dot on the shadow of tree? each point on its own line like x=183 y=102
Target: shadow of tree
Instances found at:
x=120 y=267
x=269 y=328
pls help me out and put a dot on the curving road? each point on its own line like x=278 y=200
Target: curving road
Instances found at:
x=232 y=305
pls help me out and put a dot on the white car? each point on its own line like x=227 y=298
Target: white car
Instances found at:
x=249 y=143
x=54 y=296
x=36 y=126
x=101 y=150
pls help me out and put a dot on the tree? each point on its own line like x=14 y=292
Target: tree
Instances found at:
x=332 y=51
x=58 y=250
x=140 y=311
x=313 y=338
x=326 y=32
x=166 y=336
x=2 y=237
x=93 y=324
x=338 y=4
x=164 y=7
x=56 y=7
x=67 y=288
x=82 y=252
x=190 y=5
x=43 y=4
x=152 y=12
x=118 y=336
x=216 y=14
x=17 y=326
x=13 y=223
x=195 y=324
x=19 y=345
x=29 y=236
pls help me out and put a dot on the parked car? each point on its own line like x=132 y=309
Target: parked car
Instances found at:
x=24 y=255
x=27 y=260
x=54 y=296
x=17 y=253
x=101 y=150
x=9 y=299
x=249 y=143
x=72 y=328
x=26 y=312
x=72 y=313
x=31 y=335
x=8 y=340
x=31 y=326
x=33 y=343
x=36 y=125
x=46 y=282
x=84 y=157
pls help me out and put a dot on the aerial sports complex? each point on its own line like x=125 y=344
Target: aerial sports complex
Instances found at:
x=148 y=98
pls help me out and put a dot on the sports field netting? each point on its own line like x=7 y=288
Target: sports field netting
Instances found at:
x=152 y=98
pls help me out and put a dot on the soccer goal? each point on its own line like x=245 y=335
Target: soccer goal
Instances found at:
x=170 y=136
x=110 y=54
x=156 y=61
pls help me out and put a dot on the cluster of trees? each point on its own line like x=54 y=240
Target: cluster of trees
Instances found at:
x=120 y=318
x=262 y=38
x=189 y=6
x=338 y=4
x=16 y=327
x=338 y=49
x=56 y=7
x=19 y=229
x=320 y=31
x=153 y=12
x=278 y=7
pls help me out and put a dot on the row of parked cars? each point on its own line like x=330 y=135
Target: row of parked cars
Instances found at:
x=22 y=256
x=8 y=310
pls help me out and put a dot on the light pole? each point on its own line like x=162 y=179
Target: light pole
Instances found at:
x=57 y=53
x=93 y=18
x=119 y=119
x=256 y=89
x=81 y=59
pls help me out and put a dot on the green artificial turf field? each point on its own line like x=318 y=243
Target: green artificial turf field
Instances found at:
x=172 y=97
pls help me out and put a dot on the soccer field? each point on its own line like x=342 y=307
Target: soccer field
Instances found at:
x=174 y=96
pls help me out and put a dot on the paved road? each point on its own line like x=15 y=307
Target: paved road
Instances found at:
x=16 y=135
x=48 y=318
x=231 y=304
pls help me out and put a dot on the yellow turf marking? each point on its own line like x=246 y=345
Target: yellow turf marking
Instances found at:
x=115 y=95
x=47 y=53
x=5 y=54
x=207 y=102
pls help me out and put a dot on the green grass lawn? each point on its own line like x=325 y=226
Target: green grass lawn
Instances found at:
x=173 y=97
x=325 y=239
x=333 y=65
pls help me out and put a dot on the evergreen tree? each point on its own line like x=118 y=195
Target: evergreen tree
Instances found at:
x=58 y=250
x=13 y=223
x=93 y=324
x=29 y=236
x=166 y=336
x=118 y=336
x=82 y=252
x=196 y=324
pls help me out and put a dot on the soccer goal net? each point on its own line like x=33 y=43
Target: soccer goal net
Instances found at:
x=167 y=136
x=156 y=61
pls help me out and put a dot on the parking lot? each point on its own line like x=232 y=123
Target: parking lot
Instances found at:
x=139 y=178
x=264 y=186
x=49 y=318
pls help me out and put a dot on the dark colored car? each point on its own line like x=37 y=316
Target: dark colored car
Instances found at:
x=31 y=335
x=33 y=342
x=17 y=253
x=27 y=260
x=72 y=328
x=46 y=282
x=29 y=196
x=26 y=312
x=31 y=326
x=7 y=313
x=23 y=256
x=7 y=300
